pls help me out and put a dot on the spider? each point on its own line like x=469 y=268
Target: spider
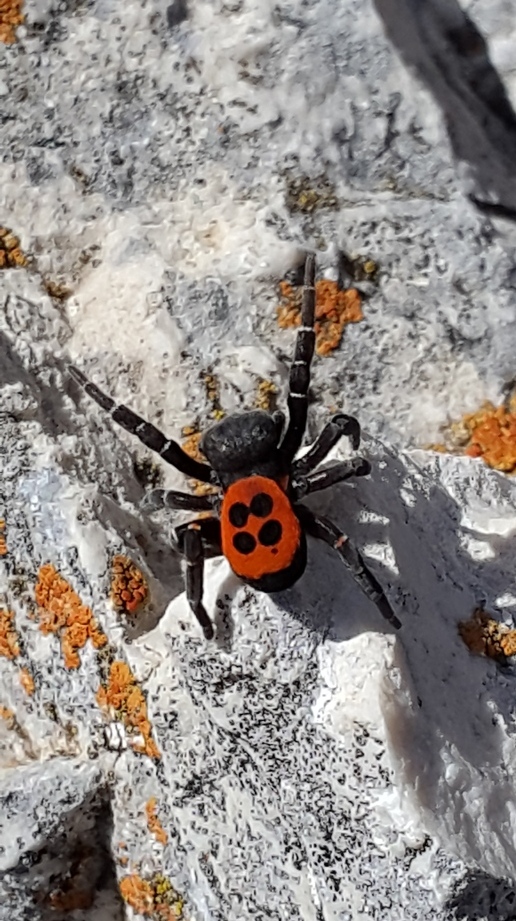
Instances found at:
x=258 y=521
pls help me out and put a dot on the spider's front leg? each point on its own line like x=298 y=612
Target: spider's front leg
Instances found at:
x=299 y=380
x=148 y=434
x=325 y=530
x=196 y=541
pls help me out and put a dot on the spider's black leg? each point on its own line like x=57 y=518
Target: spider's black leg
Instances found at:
x=302 y=486
x=299 y=380
x=325 y=530
x=148 y=434
x=191 y=545
x=170 y=498
x=337 y=427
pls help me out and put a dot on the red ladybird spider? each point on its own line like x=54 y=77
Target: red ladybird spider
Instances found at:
x=261 y=525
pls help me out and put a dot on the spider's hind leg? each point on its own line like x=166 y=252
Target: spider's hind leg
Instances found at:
x=325 y=530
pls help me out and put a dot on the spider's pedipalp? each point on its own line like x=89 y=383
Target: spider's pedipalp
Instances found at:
x=299 y=380
x=147 y=433
x=339 y=426
x=304 y=485
x=194 y=557
x=197 y=541
x=182 y=501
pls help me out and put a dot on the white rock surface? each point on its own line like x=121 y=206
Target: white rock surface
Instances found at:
x=314 y=766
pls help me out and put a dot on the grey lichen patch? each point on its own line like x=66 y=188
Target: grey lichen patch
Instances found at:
x=305 y=195
x=148 y=473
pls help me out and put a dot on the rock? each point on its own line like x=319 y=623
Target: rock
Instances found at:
x=158 y=183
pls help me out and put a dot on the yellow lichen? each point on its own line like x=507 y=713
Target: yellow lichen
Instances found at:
x=11 y=256
x=153 y=823
x=9 y=646
x=485 y=636
x=190 y=444
x=122 y=695
x=334 y=310
x=129 y=587
x=155 y=898
x=266 y=396
x=27 y=681
x=61 y=611
x=213 y=394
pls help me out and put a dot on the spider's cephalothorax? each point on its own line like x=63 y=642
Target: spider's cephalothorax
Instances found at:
x=261 y=523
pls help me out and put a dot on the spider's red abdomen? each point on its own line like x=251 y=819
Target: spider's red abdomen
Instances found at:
x=260 y=531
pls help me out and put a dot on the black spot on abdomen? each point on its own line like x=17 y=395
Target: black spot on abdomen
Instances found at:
x=261 y=505
x=238 y=515
x=270 y=533
x=244 y=542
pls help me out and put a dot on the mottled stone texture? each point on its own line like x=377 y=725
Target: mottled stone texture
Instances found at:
x=162 y=167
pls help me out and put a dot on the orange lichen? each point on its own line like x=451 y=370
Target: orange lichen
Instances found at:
x=6 y=714
x=485 y=636
x=9 y=646
x=3 y=542
x=154 y=825
x=489 y=433
x=10 y=17
x=492 y=435
x=334 y=310
x=11 y=256
x=61 y=611
x=129 y=588
x=123 y=696
x=27 y=681
x=155 y=898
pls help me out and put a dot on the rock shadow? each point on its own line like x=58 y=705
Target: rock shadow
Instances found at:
x=445 y=698
x=480 y=897
x=443 y=45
